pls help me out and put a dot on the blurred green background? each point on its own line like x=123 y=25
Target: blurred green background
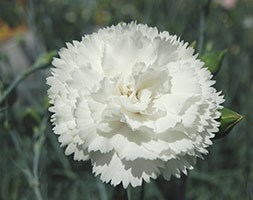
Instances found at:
x=31 y=159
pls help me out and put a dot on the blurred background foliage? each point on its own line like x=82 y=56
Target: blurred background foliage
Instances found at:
x=32 y=164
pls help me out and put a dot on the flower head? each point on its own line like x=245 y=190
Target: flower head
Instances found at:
x=134 y=101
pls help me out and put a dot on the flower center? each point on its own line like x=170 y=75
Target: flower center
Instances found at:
x=126 y=90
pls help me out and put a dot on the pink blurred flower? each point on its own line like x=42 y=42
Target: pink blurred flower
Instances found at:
x=227 y=4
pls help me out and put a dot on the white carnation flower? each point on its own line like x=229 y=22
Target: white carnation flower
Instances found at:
x=135 y=101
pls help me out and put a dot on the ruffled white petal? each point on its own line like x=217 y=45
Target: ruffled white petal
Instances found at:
x=112 y=168
x=136 y=102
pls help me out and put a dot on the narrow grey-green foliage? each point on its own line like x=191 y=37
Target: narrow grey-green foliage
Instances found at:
x=42 y=62
x=37 y=167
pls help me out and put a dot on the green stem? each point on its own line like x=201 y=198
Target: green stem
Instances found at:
x=37 y=152
x=129 y=192
x=142 y=191
x=37 y=193
x=202 y=22
x=43 y=62
x=101 y=189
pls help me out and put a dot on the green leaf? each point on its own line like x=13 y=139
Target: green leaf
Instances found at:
x=213 y=60
x=228 y=120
